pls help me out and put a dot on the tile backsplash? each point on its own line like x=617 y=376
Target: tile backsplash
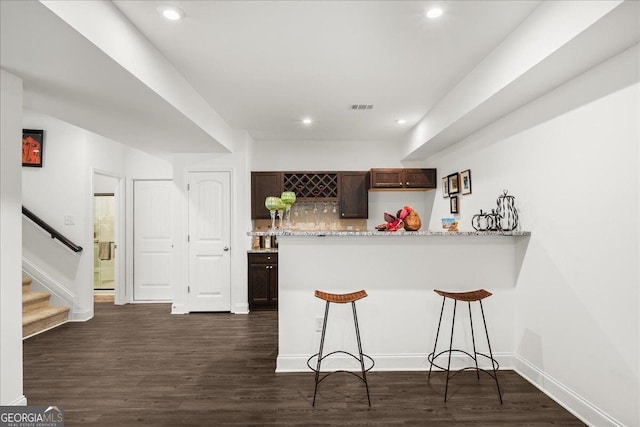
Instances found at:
x=315 y=216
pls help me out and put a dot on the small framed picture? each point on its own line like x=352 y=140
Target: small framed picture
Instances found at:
x=465 y=181
x=454 y=205
x=454 y=183
x=445 y=187
x=32 y=143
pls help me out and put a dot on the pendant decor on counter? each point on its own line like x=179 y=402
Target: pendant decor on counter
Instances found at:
x=406 y=218
x=485 y=221
x=288 y=198
x=506 y=214
x=272 y=203
x=482 y=221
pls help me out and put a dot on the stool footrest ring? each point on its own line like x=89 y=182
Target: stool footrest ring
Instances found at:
x=315 y=356
x=431 y=358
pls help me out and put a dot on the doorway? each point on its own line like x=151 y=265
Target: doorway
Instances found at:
x=104 y=246
x=105 y=237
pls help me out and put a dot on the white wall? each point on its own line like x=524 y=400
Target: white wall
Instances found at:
x=10 y=229
x=571 y=160
x=63 y=187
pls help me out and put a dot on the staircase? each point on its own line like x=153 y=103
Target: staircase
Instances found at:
x=37 y=314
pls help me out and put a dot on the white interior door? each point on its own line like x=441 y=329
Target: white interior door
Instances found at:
x=152 y=243
x=209 y=238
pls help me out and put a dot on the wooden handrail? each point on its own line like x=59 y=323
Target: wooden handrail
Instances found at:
x=52 y=231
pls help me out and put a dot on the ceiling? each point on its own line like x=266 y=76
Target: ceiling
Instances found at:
x=266 y=65
x=263 y=66
x=121 y=70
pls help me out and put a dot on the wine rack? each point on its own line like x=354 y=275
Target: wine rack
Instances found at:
x=312 y=185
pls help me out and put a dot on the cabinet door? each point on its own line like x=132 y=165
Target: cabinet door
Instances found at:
x=263 y=281
x=420 y=178
x=354 y=195
x=264 y=184
x=259 y=284
x=387 y=178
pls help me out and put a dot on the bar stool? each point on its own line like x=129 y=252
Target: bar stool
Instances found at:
x=469 y=297
x=340 y=299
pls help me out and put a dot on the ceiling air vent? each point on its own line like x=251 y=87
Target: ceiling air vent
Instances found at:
x=360 y=107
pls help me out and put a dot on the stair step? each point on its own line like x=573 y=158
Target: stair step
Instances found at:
x=26 y=284
x=34 y=300
x=38 y=320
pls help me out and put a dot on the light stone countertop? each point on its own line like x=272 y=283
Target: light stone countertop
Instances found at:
x=346 y=233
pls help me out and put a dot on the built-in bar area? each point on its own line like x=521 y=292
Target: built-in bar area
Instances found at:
x=336 y=232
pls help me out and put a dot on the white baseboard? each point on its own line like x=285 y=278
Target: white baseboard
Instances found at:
x=564 y=396
x=21 y=401
x=81 y=316
x=241 y=309
x=179 y=309
x=383 y=362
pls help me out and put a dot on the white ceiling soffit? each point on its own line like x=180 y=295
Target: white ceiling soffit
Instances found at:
x=600 y=31
x=67 y=77
x=266 y=65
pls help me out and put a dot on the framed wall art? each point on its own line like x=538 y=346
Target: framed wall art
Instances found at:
x=454 y=183
x=454 y=205
x=32 y=144
x=465 y=181
x=445 y=187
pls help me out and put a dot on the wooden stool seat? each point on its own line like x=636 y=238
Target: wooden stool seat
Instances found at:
x=341 y=298
x=469 y=296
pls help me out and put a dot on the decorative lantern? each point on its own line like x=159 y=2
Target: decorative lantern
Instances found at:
x=506 y=214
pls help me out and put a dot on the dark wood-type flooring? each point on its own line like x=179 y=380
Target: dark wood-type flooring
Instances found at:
x=138 y=365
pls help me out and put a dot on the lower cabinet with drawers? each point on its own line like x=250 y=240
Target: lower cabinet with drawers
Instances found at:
x=263 y=281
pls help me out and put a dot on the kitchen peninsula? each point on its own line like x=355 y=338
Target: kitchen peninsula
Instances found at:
x=399 y=271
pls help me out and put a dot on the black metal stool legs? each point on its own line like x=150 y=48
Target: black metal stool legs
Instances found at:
x=360 y=354
x=468 y=297
x=317 y=366
x=473 y=340
x=493 y=361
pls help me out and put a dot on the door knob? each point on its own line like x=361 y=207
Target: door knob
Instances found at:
x=226 y=248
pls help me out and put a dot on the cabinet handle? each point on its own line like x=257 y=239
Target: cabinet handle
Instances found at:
x=407 y=183
x=268 y=257
x=267 y=267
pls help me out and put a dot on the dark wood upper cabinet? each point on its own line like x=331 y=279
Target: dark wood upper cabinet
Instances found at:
x=354 y=195
x=420 y=178
x=386 y=178
x=264 y=184
x=403 y=178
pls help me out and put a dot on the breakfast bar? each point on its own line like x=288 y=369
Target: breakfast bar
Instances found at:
x=399 y=271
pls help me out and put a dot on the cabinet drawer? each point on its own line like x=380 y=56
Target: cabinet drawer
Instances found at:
x=269 y=258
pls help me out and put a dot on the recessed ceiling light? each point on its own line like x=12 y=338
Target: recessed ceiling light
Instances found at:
x=434 y=13
x=306 y=121
x=401 y=121
x=172 y=13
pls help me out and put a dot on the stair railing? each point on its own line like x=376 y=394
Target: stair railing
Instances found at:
x=55 y=234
